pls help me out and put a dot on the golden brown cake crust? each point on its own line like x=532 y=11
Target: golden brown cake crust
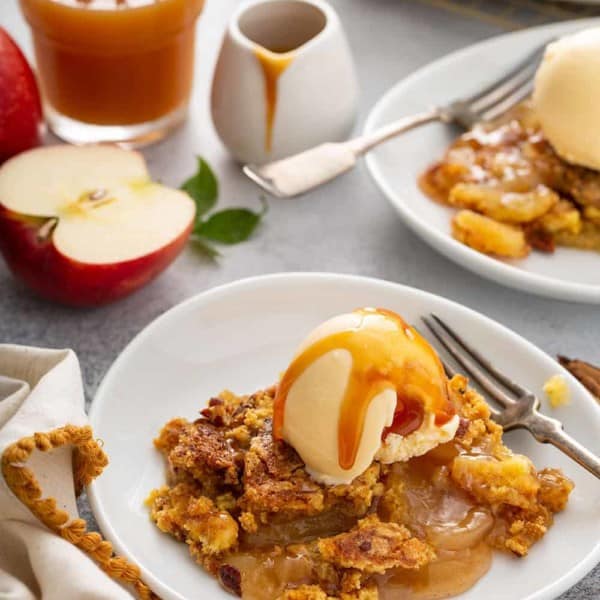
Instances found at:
x=305 y=592
x=236 y=495
x=275 y=481
x=375 y=547
x=193 y=518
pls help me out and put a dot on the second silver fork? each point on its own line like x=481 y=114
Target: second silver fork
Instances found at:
x=302 y=172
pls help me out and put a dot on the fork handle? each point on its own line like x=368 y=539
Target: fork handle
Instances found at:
x=364 y=143
x=550 y=431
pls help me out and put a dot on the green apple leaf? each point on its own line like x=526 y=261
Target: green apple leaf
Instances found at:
x=203 y=188
x=205 y=247
x=231 y=225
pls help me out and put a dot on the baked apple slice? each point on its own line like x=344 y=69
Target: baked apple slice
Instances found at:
x=86 y=225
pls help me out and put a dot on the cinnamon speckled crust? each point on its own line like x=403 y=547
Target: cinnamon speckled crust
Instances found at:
x=169 y=435
x=231 y=485
x=480 y=430
x=194 y=518
x=276 y=481
x=375 y=547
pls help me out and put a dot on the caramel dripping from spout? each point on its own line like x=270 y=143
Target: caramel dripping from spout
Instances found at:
x=273 y=64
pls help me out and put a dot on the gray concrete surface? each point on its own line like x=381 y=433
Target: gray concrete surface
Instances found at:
x=347 y=227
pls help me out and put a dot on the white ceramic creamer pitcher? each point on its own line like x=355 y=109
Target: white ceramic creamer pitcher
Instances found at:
x=284 y=80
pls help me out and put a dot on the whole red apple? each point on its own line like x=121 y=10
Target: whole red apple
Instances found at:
x=86 y=225
x=20 y=106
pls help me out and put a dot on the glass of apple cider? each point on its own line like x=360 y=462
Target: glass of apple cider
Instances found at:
x=114 y=70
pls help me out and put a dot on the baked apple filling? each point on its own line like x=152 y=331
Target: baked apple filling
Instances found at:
x=513 y=191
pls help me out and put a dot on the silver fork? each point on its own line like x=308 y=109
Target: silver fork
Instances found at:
x=519 y=406
x=309 y=169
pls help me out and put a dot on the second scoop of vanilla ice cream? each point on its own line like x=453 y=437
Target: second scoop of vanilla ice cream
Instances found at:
x=350 y=374
x=566 y=97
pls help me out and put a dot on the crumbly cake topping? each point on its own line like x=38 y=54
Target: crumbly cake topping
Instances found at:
x=252 y=516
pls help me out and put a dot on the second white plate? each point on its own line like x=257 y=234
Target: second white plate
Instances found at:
x=568 y=274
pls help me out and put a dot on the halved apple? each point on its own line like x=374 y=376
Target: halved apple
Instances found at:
x=86 y=225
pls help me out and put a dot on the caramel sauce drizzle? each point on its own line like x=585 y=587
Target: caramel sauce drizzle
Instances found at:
x=398 y=359
x=273 y=64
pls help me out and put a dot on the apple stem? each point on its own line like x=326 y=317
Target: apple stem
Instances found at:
x=45 y=231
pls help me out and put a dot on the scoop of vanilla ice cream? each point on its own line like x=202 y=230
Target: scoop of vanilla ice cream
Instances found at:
x=312 y=412
x=313 y=406
x=566 y=97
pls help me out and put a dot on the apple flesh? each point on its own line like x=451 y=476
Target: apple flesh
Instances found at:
x=86 y=225
x=20 y=106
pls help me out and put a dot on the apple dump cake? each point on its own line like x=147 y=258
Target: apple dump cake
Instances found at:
x=514 y=191
x=364 y=474
x=531 y=179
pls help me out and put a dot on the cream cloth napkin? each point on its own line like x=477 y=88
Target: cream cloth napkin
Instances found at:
x=41 y=391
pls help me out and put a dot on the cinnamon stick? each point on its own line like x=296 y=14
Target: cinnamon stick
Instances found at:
x=586 y=373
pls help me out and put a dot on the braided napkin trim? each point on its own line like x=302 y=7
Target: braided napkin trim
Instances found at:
x=89 y=461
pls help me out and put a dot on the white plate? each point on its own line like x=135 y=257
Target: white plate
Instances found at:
x=568 y=274
x=240 y=337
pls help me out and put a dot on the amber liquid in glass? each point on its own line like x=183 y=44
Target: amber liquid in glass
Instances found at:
x=114 y=63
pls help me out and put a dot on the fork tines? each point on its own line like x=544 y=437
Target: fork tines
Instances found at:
x=475 y=365
x=503 y=94
x=520 y=409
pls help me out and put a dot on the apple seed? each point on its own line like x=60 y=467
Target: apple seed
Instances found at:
x=97 y=194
